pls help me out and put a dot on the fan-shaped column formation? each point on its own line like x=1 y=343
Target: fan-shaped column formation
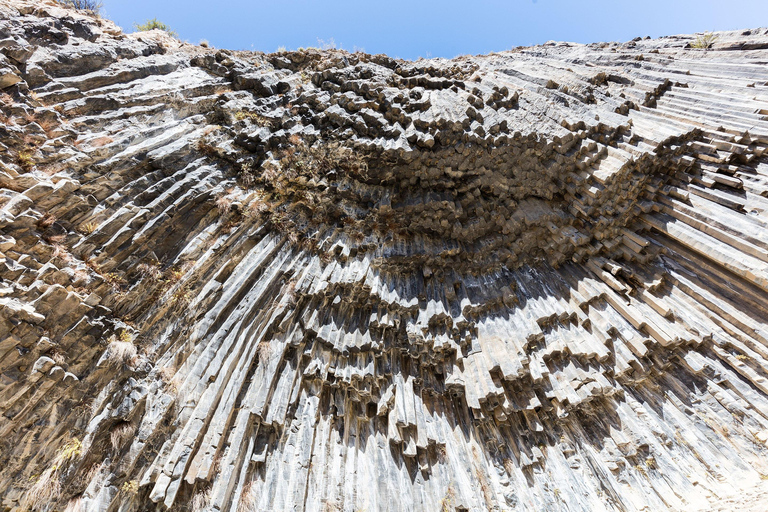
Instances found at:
x=321 y=280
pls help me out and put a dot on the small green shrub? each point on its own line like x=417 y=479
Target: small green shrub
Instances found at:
x=153 y=24
x=26 y=162
x=260 y=120
x=705 y=41
x=130 y=487
x=91 y=6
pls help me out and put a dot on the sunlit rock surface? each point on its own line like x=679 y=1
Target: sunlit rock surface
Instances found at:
x=319 y=280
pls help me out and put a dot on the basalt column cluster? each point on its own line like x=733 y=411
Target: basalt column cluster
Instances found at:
x=321 y=280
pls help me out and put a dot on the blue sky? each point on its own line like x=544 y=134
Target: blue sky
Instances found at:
x=410 y=28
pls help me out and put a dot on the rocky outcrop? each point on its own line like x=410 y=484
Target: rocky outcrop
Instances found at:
x=320 y=280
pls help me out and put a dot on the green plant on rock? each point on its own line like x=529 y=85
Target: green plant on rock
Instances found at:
x=90 y=6
x=183 y=296
x=130 y=488
x=705 y=41
x=154 y=24
x=260 y=120
x=115 y=280
x=447 y=501
x=47 y=486
x=25 y=161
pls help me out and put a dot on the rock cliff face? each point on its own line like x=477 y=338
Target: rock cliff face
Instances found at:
x=533 y=280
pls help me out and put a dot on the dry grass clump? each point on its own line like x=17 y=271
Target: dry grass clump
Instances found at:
x=289 y=292
x=297 y=189
x=331 y=506
x=201 y=500
x=177 y=272
x=321 y=160
x=74 y=505
x=249 y=499
x=47 y=488
x=450 y=497
x=265 y=350
x=206 y=148
x=55 y=239
x=170 y=379
x=101 y=141
x=150 y=270
x=121 y=433
x=84 y=477
x=167 y=373
x=57 y=355
x=90 y=263
x=51 y=169
x=224 y=204
x=89 y=227
x=120 y=352
x=115 y=280
x=46 y=221
x=46 y=123
x=60 y=251
x=442 y=453
x=257 y=206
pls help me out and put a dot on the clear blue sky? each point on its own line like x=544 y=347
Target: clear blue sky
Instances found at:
x=411 y=29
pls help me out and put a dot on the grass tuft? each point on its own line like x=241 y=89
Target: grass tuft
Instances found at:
x=705 y=41
x=89 y=6
x=120 y=352
x=155 y=24
x=121 y=433
x=47 y=487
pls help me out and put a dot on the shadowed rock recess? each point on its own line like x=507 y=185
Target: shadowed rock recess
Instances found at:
x=330 y=281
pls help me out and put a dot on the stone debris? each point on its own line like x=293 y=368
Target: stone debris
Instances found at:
x=320 y=280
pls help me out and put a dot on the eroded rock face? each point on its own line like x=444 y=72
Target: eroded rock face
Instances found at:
x=534 y=280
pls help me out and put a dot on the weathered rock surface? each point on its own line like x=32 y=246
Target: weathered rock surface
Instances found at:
x=533 y=280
